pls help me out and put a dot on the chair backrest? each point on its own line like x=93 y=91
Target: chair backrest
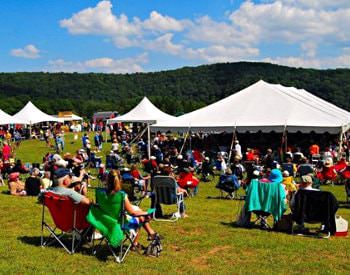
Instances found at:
x=266 y=196
x=288 y=167
x=165 y=189
x=315 y=206
x=65 y=214
x=305 y=169
x=106 y=216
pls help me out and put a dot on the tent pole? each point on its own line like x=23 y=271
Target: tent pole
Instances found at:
x=149 y=140
x=340 y=142
x=183 y=145
x=231 y=147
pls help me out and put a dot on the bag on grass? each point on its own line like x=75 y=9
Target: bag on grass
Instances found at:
x=284 y=224
x=154 y=248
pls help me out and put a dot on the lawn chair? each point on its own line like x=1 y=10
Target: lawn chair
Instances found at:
x=264 y=199
x=68 y=217
x=228 y=184
x=288 y=167
x=133 y=190
x=109 y=217
x=315 y=207
x=165 y=190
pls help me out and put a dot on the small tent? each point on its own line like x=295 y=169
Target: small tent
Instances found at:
x=30 y=114
x=7 y=119
x=144 y=112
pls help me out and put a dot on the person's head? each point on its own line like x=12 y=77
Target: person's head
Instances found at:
x=328 y=162
x=47 y=174
x=306 y=181
x=14 y=177
x=275 y=176
x=35 y=172
x=236 y=141
x=133 y=167
x=285 y=174
x=228 y=171
x=114 y=181
x=63 y=177
x=269 y=151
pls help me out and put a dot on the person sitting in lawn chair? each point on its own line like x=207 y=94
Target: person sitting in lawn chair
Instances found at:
x=328 y=172
x=228 y=183
x=114 y=185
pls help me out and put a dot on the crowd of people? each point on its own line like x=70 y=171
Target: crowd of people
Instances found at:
x=190 y=164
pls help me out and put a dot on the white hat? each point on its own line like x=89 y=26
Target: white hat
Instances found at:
x=153 y=157
x=179 y=157
x=256 y=173
x=285 y=173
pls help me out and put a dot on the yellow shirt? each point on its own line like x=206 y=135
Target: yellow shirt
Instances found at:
x=289 y=183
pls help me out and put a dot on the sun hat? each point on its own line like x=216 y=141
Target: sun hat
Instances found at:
x=14 y=176
x=285 y=173
x=275 y=176
x=328 y=162
x=153 y=157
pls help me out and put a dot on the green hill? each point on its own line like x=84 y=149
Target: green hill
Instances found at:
x=174 y=91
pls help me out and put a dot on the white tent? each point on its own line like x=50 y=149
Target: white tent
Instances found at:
x=30 y=114
x=264 y=107
x=144 y=112
x=7 y=119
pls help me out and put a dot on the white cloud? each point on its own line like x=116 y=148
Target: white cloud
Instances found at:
x=101 y=21
x=158 y=22
x=104 y=64
x=164 y=44
x=342 y=61
x=218 y=53
x=29 y=51
x=307 y=25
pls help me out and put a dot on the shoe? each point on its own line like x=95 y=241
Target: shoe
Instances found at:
x=137 y=247
x=154 y=236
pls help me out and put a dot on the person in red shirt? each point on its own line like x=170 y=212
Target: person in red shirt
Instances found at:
x=314 y=149
x=6 y=151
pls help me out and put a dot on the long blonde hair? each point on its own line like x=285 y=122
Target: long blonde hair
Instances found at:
x=114 y=182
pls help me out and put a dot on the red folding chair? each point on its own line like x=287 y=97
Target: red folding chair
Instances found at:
x=68 y=217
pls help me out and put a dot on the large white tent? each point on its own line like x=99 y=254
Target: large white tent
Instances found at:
x=7 y=119
x=30 y=115
x=144 y=112
x=264 y=107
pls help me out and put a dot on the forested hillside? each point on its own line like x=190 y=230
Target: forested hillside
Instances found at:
x=175 y=91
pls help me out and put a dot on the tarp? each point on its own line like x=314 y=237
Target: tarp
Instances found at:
x=264 y=107
x=30 y=114
x=7 y=119
x=144 y=112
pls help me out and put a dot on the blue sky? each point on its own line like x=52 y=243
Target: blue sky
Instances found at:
x=125 y=36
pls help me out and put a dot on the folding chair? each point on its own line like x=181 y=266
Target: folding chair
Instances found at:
x=288 y=167
x=315 y=207
x=68 y=217
x=265 y=199
x=228 y=184
x=165 y=190
x=109 y=217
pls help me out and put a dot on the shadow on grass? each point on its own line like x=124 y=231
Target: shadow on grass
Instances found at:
x=102 y=254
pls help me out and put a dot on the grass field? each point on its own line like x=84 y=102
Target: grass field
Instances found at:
x=205 y=242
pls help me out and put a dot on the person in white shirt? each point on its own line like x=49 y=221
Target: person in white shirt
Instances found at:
x=238 y=149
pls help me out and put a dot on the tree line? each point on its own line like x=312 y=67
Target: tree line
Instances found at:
x=175 y=91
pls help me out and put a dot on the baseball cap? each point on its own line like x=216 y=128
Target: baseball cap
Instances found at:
x=62 y=172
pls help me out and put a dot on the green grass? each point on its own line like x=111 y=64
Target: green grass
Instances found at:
x=206 y=242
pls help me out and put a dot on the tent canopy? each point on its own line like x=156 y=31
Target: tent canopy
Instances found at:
x=264 y=107
x=144 y=112
x=30 y=114
x=7 y=119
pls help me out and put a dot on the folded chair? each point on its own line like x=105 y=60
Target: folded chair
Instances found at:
x=165 y=191
x=311 y=206
x=109 y=217
x=68 y=217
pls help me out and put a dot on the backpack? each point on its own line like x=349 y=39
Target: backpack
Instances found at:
x=154 y=248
